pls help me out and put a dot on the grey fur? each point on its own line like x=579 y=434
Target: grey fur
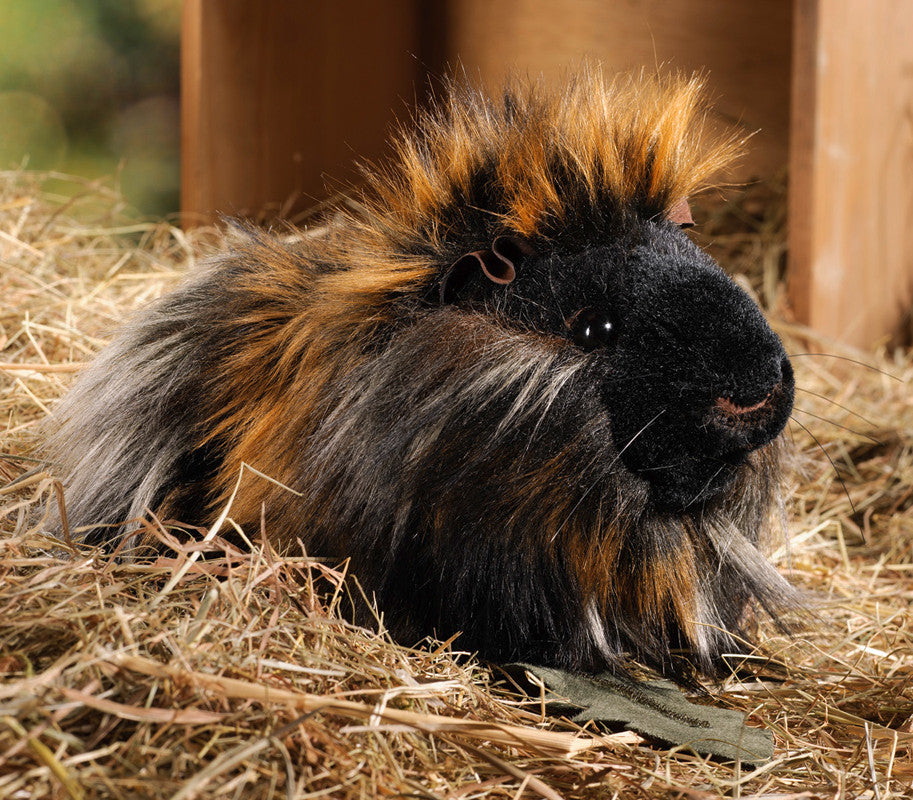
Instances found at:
x=119 y=434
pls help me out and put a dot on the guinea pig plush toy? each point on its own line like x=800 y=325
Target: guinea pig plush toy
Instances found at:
x=504 y=382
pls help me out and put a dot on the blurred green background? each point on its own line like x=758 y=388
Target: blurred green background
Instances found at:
x=90 y=88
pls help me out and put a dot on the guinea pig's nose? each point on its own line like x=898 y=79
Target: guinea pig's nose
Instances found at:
x=746 y=422
x=738 y=414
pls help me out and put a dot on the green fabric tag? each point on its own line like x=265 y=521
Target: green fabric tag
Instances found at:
x=656 y=709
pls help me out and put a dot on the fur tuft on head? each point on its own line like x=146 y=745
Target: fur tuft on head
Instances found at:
x=543 y=163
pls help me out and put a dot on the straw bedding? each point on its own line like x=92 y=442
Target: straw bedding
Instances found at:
x=235 y=675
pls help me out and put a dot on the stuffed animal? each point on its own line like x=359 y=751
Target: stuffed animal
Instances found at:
x=504 y=382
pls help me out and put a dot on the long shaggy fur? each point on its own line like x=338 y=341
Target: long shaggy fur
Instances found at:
x=466 y=456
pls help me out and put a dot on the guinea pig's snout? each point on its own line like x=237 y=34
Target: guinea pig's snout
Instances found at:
x=700 y=381
x=744 y=421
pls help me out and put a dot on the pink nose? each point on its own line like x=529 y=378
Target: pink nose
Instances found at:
x=726 y=405
x=737 y=429
x=733 y=422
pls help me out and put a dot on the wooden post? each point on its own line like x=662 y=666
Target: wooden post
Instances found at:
x=851 y=164
x=278 y=97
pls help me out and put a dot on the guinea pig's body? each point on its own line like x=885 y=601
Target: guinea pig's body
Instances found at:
x=510 y=389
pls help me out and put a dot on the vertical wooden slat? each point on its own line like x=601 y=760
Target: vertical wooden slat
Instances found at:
x=279 y=97
x=851 y=215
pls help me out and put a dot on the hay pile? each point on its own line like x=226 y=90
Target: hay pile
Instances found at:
x=234 y=677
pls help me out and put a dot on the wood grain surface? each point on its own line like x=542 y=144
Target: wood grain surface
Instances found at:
x=279 y=99
x=851 y=192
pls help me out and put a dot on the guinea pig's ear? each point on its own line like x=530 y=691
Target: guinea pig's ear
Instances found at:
x=680 y=214
x=498 y=265
x=511 y=250
x=462 y=270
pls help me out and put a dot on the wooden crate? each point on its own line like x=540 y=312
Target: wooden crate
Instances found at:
x=279 y=99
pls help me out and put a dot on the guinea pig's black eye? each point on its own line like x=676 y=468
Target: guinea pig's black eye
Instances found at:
x=590 y=328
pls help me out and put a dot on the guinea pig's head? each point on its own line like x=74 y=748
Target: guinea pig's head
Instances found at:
x=690 y=373
x=562 y=215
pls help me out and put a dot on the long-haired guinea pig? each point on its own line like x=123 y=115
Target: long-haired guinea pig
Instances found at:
x=505 y=384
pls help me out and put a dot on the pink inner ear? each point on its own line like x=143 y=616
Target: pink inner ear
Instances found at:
x=680 y=213
x=496 y=268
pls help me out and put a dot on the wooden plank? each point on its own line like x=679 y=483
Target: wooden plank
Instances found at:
x=851 y=212
x=745 y=47
x=278 y=95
